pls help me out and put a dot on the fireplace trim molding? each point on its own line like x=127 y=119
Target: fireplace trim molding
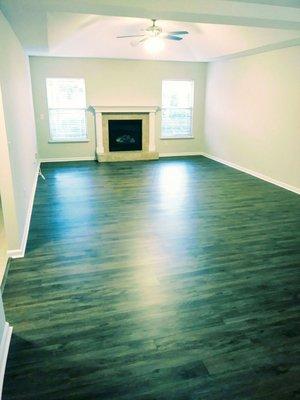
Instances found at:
x=145 y=154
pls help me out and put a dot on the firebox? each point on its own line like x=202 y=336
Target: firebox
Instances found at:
x=125 y=134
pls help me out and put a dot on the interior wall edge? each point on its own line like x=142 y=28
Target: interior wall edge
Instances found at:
x=20 y=252
x=18 y=148
x=7 y=190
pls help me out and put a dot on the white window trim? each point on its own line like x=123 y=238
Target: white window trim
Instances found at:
x=174 y=137
x=57 y=141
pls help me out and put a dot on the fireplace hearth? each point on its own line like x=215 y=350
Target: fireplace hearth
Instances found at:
x=125 y=135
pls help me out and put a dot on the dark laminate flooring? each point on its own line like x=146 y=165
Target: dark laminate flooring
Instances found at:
x=173 y=279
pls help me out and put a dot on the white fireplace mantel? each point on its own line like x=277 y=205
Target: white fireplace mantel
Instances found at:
x=100 y=110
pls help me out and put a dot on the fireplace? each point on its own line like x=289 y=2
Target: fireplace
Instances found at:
x=125 y=134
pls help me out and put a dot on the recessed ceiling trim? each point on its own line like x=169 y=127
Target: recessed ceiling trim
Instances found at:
x=258 y=50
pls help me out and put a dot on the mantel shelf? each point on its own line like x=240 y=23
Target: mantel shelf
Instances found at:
x=123 y=109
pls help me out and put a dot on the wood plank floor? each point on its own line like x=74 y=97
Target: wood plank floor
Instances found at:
x=172 y=279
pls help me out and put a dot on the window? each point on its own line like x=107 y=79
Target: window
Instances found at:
x=177 y=109
x=67 y=109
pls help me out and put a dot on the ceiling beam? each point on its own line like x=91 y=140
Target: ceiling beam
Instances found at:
x=282 y=3
x=258 y=50
x=242 y=13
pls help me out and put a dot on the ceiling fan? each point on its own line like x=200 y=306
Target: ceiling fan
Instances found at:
x=154 y=33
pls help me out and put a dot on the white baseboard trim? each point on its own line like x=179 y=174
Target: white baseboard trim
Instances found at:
x=68 y=159
x=16 y=253
x=19 y=253
x=181 y=154
x=254 y=173
x=4 y=347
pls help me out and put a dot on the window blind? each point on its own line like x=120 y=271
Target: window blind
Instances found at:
x=67 y=109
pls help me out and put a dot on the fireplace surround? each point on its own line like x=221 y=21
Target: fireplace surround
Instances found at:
x=125 y=133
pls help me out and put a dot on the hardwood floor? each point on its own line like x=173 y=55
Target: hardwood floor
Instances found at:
x=173 y=279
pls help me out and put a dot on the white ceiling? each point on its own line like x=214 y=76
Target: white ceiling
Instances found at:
x=77 y=29
x=80 y=35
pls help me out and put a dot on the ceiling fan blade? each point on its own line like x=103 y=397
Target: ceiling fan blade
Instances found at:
x=173 y=37
x=126 y=36
x=179 y=33
x=135 y=43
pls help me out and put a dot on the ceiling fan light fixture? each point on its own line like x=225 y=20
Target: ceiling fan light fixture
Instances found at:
x=154 y=44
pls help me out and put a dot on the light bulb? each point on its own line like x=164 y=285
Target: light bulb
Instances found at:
x=154 y=44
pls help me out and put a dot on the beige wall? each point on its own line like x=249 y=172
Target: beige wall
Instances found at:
x=114 y=83
x=253 y=113
x=17 y=136
x=6 y=187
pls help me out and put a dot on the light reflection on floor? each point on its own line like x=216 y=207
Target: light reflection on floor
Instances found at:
x=152 y=296
x=172 y=183
x=77 y=189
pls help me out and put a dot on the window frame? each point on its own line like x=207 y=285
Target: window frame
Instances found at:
x=66 y=140
x=174 y=137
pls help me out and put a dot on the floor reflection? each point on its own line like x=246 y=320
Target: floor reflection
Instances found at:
x=172 y=186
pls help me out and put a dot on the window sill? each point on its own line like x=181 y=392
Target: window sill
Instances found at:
x=67 y=141
x=177 y=137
